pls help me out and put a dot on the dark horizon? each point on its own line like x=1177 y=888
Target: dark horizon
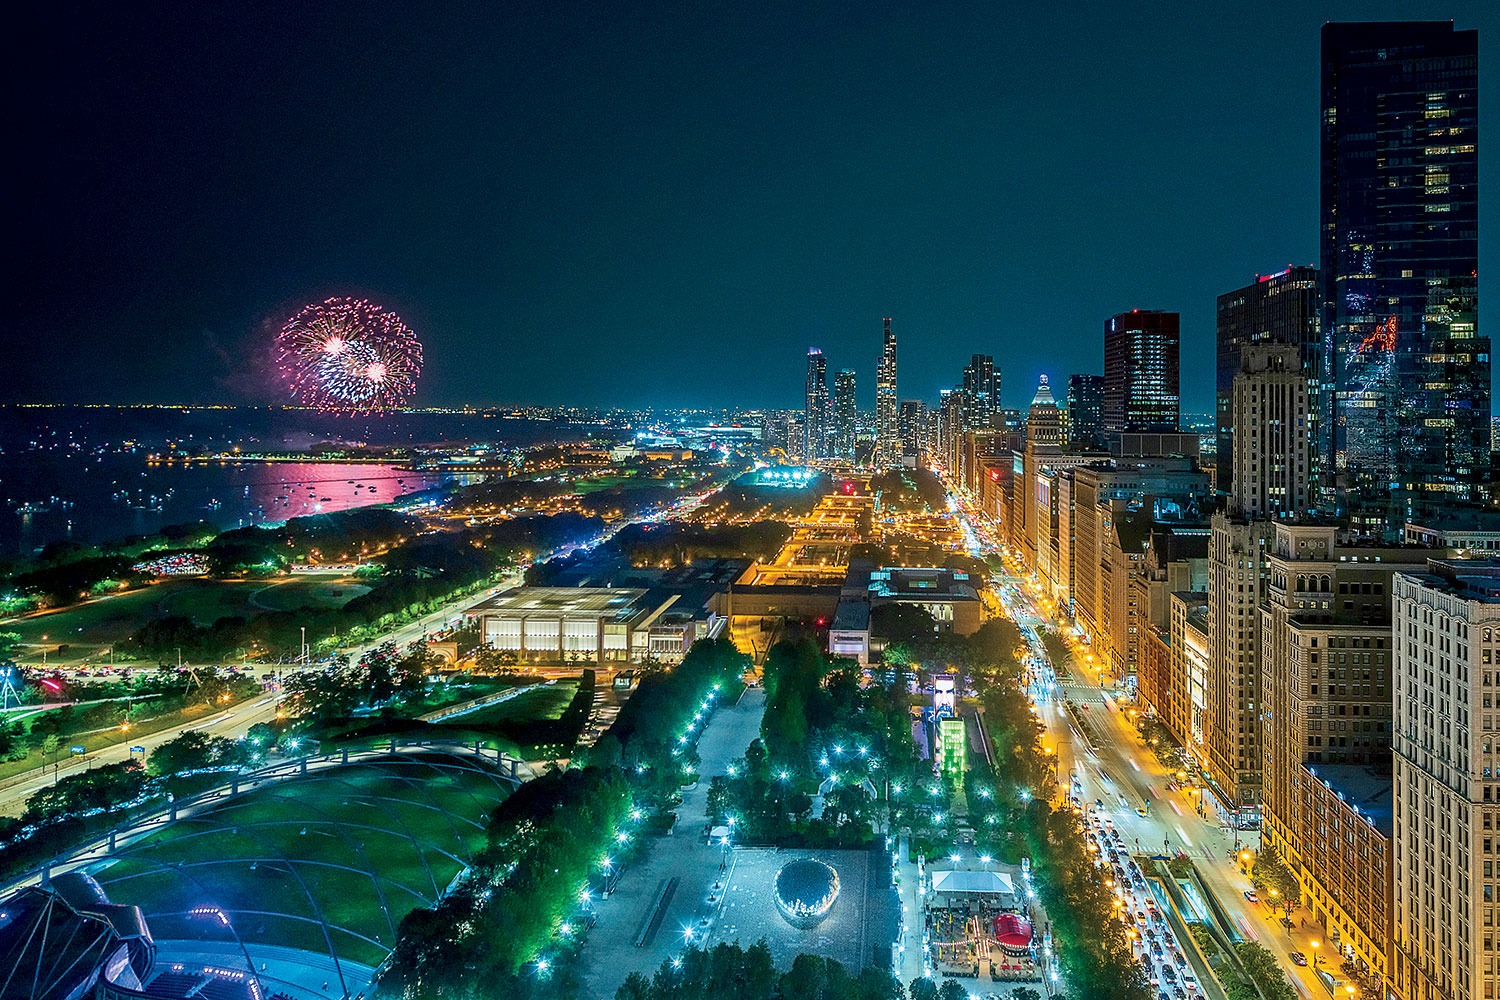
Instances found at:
x=617 y=207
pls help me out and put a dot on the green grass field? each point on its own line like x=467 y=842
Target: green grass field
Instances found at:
x=479 y=726
x=353 y=848
x=545 y=701
x=96 y=625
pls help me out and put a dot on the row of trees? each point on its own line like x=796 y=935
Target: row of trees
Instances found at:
x=750 y=974
x=546 y=841
x=820 y=724
x=543 y=843
x=1092 y=946
x=420 y=573
x=646 y=738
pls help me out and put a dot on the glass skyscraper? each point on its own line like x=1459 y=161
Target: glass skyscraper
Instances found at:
x=815 y=423
x=1141 y=374
x=1400 y=247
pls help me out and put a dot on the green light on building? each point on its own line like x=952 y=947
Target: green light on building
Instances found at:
x=955 y=753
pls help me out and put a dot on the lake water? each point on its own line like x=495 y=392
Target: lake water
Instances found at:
x=91 y=499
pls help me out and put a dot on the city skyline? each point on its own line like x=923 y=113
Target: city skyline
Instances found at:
x=665 y=260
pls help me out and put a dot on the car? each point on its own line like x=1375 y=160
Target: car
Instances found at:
x=1252 y=896
x=1140 y=810
x=1298 y=958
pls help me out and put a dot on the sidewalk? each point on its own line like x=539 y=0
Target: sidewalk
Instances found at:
x=611 y=953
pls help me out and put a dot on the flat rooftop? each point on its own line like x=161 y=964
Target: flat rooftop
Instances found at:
x=1367 y=790
x=611 y=603
x=922 y=582
x=1467 y=579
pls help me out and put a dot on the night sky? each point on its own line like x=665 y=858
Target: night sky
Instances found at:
x=657 y=204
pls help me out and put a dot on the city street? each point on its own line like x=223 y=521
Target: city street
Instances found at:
x=1118 y=769
x=232 y=723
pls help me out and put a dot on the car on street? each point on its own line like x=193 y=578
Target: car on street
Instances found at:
x=1252 y=896
x=1298 y=958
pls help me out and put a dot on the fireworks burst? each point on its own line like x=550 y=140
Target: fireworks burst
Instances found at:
x=349 y=355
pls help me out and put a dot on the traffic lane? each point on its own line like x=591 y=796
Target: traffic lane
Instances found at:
x=231 y=723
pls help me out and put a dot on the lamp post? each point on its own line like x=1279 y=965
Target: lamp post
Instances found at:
x=1314 y=947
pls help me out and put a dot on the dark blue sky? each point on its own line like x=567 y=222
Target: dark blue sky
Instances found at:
x=652 y=203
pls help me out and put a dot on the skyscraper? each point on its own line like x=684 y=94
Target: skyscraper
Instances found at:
x=1282 y=308
x=845 y=423
x=1400 y=248
x=815 y=418
x=1141 y=373
x=887 y=418
x=1269 y=417
x=1085 y=409
x=1447 y=625
x=913 y=426
x=981 y=393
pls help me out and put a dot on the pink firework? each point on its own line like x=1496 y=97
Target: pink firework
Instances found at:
x=349 y=355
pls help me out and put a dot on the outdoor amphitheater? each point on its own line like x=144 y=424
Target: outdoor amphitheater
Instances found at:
x=292 y=890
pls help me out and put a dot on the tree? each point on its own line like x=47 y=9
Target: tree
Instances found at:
x=194 y=750
x=923 y=988
x=1025 y=993
x=902 y=623
x=718 y=797
x=952 y=990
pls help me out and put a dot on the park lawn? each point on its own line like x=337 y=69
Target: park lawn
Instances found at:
x=545 y=701
x=480 y=726
x=442 y=695
x=357 y=847
x=93 y=626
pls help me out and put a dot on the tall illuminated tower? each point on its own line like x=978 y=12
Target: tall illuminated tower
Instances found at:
x=815 y=419
x=1400 y=258
x=1141 y=350
x=887 y=412
x=845 y=423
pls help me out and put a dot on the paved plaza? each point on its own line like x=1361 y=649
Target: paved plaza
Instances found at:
x=612 y=953
x=858 y=930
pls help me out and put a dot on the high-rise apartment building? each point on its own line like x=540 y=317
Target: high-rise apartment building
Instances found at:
x=815 y=418
x=1102 y=494
x=1326 y=662
x=1281 y=308
x=1083 y=417
x=845 y=416
x=1400 y=249
x=913 y=423
x=1446 y=738
x=1237 y=575
x=981 y=393
x=887 y=415
x=1141 y=387
x=1271 y=405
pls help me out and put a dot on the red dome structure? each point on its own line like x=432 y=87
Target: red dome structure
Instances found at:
x=1013 y=931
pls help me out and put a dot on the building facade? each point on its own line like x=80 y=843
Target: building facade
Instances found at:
x=887 y=415
x=1083 y=426
x=1271 y=403
x=1326 y=665
x=1283 y=308
x=1237 y=575
x=845 y=416
x=1446 y=736
x=1400 y=225
x=1141 y=373
x=816 y=411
